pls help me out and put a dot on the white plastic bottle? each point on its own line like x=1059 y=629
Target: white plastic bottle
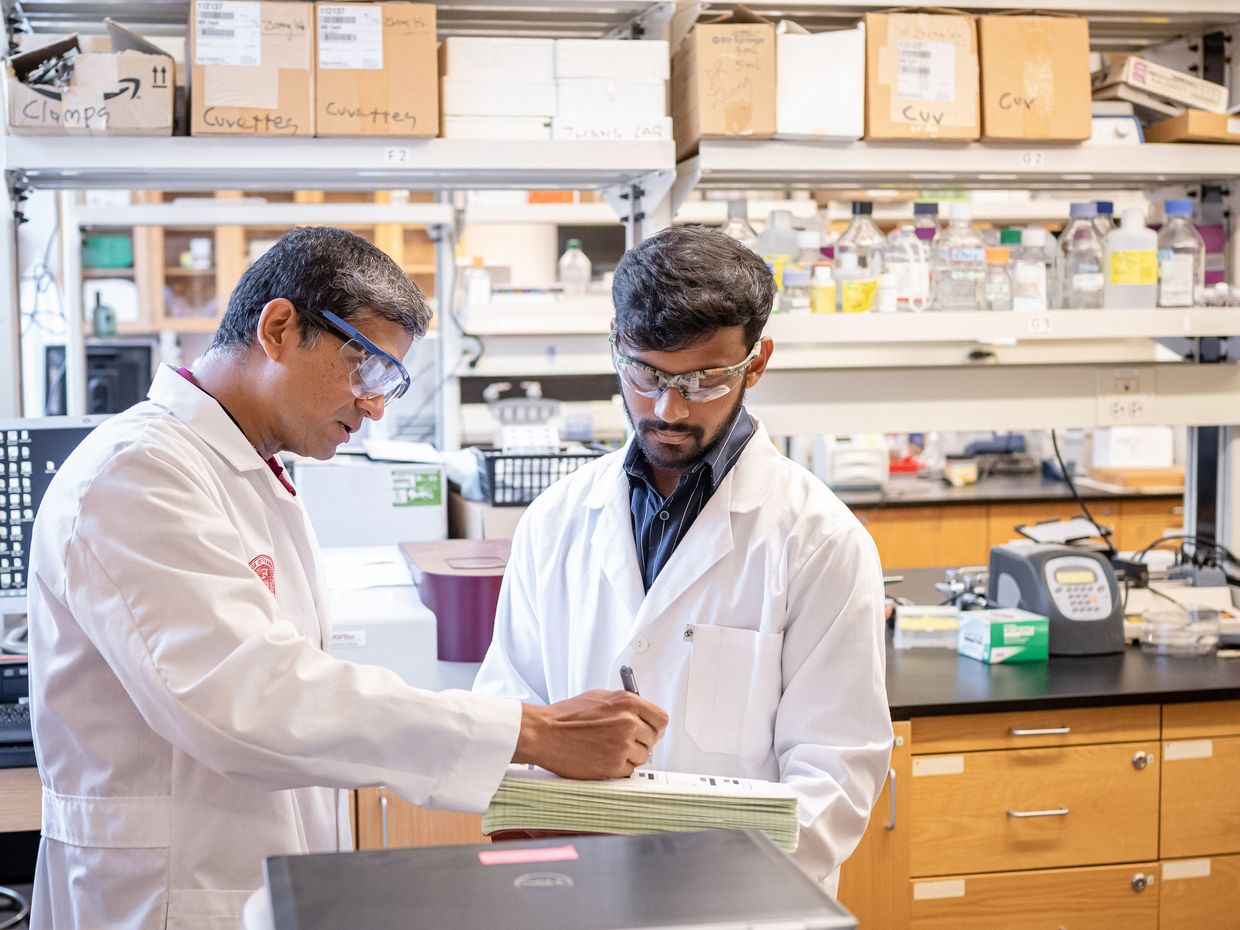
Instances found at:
x=574 y=270
x=885 y=294
x=909 y=260
x=822 y=290
x=1132 y=264
x=864 y=239
x=738 y=226
x=1181 y=257
x=795 y=298
x=1082 y=281
x=1034 y=272
x=997 y=287
x=961 y=265
x=476 y=282
x=856 y=287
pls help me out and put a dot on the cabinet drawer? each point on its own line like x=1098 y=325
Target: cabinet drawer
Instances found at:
x=1073 y=899
x=1002 y=519
x=1035 y=728
x=387 y=821
x=1082 y=805
x=1200 y=802
x=1201 y=718
x=1202 y=894
x=925 y=537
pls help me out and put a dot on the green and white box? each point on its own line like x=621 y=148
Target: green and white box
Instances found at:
x=1003 y=635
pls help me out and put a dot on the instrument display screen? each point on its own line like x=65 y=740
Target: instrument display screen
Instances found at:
x=1075 y=576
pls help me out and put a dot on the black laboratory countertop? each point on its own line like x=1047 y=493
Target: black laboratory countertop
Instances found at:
x=911 y=491
x=934 y=682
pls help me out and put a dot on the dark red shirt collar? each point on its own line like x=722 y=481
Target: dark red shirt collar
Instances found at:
x=276 y=468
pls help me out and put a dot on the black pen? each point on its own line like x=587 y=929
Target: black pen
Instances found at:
x=628 y=680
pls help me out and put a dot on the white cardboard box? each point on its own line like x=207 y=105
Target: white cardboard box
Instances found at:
x=497 y=59
x=494 y=98
x=373 y=503
x=628 y=59
x=820 y=83
x=496 y=127
x=614 y=129
x=595 y=97
x=1134 y=447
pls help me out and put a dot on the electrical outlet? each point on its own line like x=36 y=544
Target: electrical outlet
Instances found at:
x=1125 y=396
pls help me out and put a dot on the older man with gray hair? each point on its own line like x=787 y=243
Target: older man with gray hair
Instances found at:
x=188 y=721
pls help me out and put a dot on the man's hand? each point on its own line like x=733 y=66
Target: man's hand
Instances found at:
x=599 y=734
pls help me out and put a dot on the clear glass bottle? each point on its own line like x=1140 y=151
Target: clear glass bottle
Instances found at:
x=1082 y=281
x=822 y=290
x=997 y=287
x=794 y=297
x=777 y=244
x=864 y=239
x=1181 y=256
x=737 y=225
x=856 y=287
x=574 y=270
x=926 y=216
x=1131 y=264
x=909 y=260
x=1104 y=221
x=809 y=249
x=961 y=264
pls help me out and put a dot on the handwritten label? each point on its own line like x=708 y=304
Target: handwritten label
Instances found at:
x=228 y=32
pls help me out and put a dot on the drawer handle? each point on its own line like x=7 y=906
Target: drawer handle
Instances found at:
x=891 y=801
x=1056 y=812
x=1043 y=731
x=383 y=821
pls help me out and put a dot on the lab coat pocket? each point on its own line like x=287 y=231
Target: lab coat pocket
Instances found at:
x=735 y=679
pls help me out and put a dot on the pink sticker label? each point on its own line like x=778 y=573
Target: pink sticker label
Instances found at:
x=522 y=856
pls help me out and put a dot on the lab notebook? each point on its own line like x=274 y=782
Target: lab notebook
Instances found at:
x=696 y=881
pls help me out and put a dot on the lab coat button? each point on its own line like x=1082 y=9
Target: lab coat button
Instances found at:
x=663 y=515
x=641 y=644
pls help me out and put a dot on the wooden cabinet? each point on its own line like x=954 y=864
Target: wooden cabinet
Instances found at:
x=874 y=880
x=1143 y=521
x=1031 y=729
x=387 y=821
x=1074 y=899
x=1200 y=894
x=21 y=800
x=923 y=537
x=1002 y=519
x=1201 y=761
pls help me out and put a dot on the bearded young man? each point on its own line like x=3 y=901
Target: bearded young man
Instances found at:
x=745 y=597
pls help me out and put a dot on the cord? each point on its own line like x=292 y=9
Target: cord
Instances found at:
x=1104 y=533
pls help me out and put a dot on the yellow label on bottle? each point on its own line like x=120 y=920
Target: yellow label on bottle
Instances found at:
x=859 y=296
x=1134 y=266
x=822 y=298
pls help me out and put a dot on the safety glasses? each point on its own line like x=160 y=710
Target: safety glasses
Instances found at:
x=695 y=386
x=372 y=372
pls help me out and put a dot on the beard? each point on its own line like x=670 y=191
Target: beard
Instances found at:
x=686 y=455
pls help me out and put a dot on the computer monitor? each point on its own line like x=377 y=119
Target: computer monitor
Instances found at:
x=118 y=375
x=31 y=451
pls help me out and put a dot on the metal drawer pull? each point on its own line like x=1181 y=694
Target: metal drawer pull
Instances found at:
x=1141 y=881
x=891 y=801
x=1057 y=812
x=1044 y=731
x=383 y=808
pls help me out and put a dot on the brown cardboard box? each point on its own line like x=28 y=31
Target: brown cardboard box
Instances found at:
x=376 y=70
x=1165 y=83
x=126 y=92
x=251 y=76
x=1035 y=78
x=1195 y=126
x=921 y=76
x=723 y=81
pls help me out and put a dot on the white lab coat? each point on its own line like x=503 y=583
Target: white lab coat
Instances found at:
x=762 y=636
x=186 y=719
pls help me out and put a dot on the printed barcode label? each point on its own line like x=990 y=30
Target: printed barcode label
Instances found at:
x=228 y=32
x=350 y=37
x=926 y=70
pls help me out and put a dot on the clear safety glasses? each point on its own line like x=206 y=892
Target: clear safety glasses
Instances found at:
x=695 y=386
x=373 y=372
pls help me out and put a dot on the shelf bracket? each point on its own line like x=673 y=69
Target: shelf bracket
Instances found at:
x=642 y=205
x=651 y=23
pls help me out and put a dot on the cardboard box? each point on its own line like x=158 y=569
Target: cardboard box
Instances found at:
x=1035 y=78
x=402 y=502
x=627 y=59
x=490 y=59
x=609 y=98
x=1165 y=83
x=805 y=65
x=251 y=72
x=921 y=76
x=476 y=520
x=126 y=92
x=1195 y=126
x=612 y=129
x=496 y=127
x=723 y=81
x=376 y=70
x=1004 y=635
x=494 y=98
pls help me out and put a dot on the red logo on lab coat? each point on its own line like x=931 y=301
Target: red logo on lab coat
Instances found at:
x=265 y=567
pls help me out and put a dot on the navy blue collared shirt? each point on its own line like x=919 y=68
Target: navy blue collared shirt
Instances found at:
x=660 y=524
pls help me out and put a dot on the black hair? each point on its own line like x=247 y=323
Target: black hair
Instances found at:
x=678 y=287
x=319 y=268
